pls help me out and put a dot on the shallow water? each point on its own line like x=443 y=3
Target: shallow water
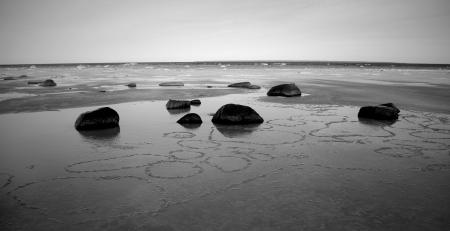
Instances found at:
x=307 y=167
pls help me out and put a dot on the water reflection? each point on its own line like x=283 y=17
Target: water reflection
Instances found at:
x=178 y=111
x=236 y=131
x=373 y=122
x=190 y=126
x=102 y=134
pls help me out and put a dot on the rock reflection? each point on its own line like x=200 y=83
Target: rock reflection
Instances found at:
x=191 y=126
x=178 y=111
x=373 y=122
x=102 y=134
x=236 y=131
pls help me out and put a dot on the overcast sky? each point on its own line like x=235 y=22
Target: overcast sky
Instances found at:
x=61 y=31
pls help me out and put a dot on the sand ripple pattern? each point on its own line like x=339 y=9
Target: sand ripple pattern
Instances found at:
x=300 y=137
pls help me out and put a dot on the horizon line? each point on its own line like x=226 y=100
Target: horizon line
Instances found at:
x=236 y=61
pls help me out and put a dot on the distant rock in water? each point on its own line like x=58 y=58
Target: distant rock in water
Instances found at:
x=196 y=102
x=101 y=118
x=178 y=104
x=286 y=90
x=48 y=83
x=35 y=82
x=10 y=78
x=381 y=112
x=236 y=114
x=14 y=77
x=191 y=118
x=168 y=84
x=247 y=85
x=131 y=85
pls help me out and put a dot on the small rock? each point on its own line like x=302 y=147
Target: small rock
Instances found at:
x=209 y=86
x=196 y=102
x=190 y=118
x=101 y=118
x=35 y=81
x=10 y=78
x=286 y=90
x=168 y=84
x=177 y=104
x=48 y=83
x=247 y=85
x=381 y=112
x=131 y=85
x=236 y=114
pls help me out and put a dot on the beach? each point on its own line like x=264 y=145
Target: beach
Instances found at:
x=311 y=165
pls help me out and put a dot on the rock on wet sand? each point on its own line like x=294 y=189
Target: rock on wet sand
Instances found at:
x=286 y=90
x=196 y=102
x=380 y=112
x=101 y=118
x=236 y=114
x=48 y=83
x=191 y=118
x=177 y=104
x=168 y=84
x=247 y=85
x=131 y=85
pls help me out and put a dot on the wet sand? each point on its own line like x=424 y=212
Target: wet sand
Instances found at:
x=312 y=164
x=307 y=167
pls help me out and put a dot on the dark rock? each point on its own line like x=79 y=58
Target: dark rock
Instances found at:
x=10 y=78
x=391 y=105
x=380 y=112
x=241 y=84
x=131 y=85
x=247 y=85
x=196 y=102
x=236 y=114
x=14 y=77
x=254 y=87
x=48 y=83
x=35 y=81
x=209 y=86
x=101 y=118
x=176 y=104
x=190 y=118
x=102 y=91
x=287 y=90
x=168 y=84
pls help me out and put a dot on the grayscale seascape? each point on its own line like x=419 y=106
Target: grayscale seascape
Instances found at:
x=224 y=115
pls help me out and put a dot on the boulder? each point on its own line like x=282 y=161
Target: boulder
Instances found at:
x=236 y=114
x=168 y=84
x=48 y=83
x=247 y=85
x=101 y=118
x=196 y=102
x=391 y=105
x=178 y=104
x=381 y=112
x=286 y=90
x=131 y=85
x=190 y=118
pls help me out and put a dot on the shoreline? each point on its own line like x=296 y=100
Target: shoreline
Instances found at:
x=320 y=92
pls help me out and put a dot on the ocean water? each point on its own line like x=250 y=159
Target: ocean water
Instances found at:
x=307 y=167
